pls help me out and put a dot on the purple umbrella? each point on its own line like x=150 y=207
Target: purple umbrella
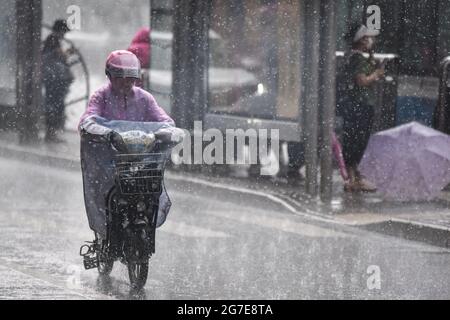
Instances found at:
x=409 y=162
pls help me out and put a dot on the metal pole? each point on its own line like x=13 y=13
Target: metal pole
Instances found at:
x=190 y=61
x=440 y=115
x=182 y=57
x=201 y=23
x=312 y=11
x=328 y=97
x=28 y=77
x=302 y=65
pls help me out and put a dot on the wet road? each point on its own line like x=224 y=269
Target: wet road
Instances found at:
x=216 y=244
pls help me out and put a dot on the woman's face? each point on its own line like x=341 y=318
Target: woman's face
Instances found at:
x=368 y=43
x=122 y=85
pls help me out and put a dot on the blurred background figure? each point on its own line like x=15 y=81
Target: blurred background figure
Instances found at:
x=140 y=46
x=57 y=78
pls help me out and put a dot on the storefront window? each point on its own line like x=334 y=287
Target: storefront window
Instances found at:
x=7 y=54
x=410 y=29
x=444 y=29
x=419 y=34
x=254 y=62
x=161 y=14
x=159 y=75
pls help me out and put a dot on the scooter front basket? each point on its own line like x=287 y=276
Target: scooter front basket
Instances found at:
x=140 y=173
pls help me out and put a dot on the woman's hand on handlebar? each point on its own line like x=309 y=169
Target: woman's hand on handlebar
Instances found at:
x=117 y=142
x=164 y=136
x=170 y=135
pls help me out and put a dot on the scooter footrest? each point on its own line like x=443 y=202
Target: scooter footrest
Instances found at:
x=90 y=262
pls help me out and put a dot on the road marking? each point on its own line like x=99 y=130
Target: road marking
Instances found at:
x=185 y=230
x=309 y=214
x=285 y=225
x=249 y=215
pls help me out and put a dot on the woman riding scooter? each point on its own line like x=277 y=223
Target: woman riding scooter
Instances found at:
x=124 y=191
x=120 y=99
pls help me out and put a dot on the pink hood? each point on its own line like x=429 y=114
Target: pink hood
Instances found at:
x=140 y=46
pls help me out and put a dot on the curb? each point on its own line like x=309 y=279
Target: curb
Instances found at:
x=430 y=234
x=409 y=230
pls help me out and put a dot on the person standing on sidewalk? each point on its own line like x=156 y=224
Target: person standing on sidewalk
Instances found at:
x=360 y=74
x=57 y=78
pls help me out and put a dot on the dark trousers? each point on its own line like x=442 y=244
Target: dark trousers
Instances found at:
x=54 y=109
x=296 y=154
x=358 y=123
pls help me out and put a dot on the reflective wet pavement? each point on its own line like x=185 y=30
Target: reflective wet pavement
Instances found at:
x=427 y=222
x=216 y=244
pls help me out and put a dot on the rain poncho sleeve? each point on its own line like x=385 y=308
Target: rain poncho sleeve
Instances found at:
x=97 y=164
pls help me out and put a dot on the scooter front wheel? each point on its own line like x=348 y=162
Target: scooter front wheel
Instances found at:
x=138 y=273
x=105 y=265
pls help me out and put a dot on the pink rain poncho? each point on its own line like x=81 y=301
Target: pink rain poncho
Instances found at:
x=138 y=108
x=138 y=105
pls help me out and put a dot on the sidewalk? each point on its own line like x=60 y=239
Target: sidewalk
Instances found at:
x=425 y=222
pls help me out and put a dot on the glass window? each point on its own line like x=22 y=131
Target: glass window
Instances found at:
x=408 y=28
x=161 y=50
x=161 y=14
x=418 y=33
x=350 y=12
x=159 y=76
x=444 y=29
x=254 y=61
x=7 y=54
